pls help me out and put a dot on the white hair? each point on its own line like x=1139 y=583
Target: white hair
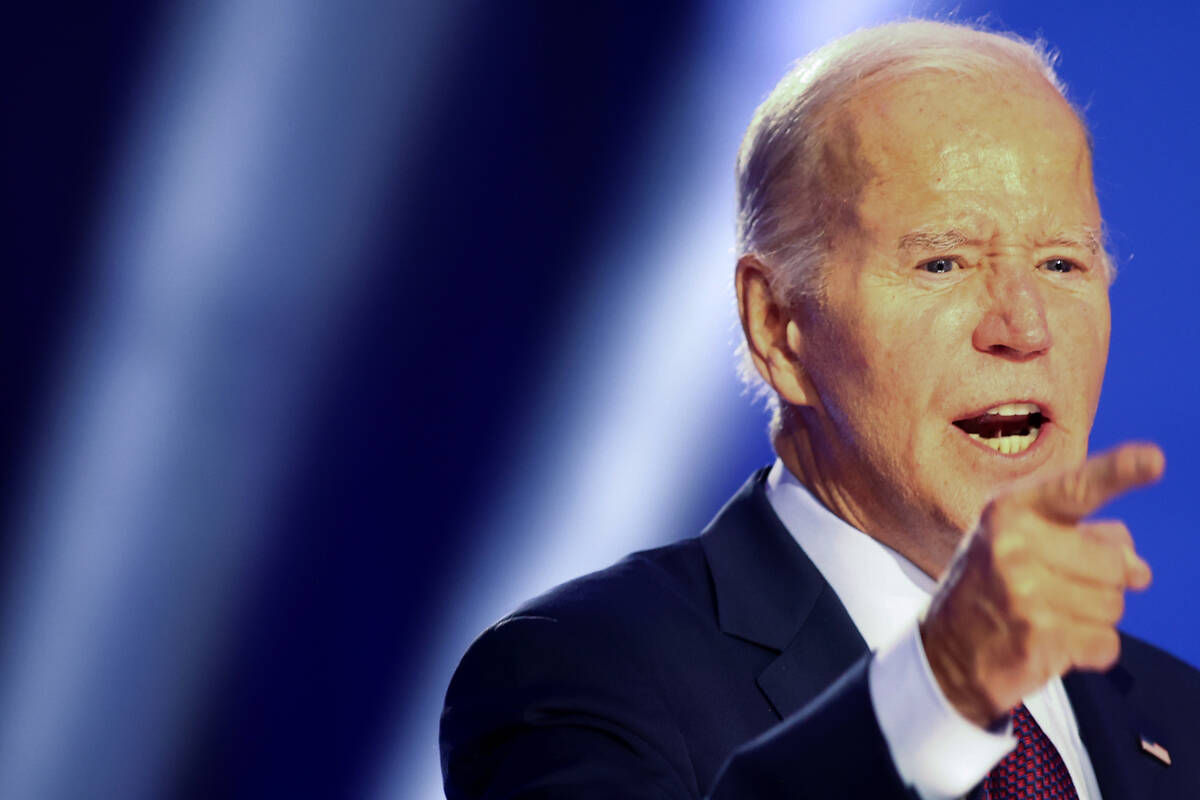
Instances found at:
x=798 y=178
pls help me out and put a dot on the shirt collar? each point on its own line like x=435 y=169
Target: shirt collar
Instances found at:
x=882 y=590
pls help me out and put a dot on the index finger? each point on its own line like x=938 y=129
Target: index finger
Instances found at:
x=1076 y=493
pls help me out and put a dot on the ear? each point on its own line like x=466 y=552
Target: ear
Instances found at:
x=773 y=338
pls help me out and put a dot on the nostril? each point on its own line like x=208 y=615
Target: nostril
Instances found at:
x=1015 y=353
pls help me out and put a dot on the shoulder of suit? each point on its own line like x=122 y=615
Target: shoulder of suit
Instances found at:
x=611 y=627
x=640 y=590
x=1140 y=657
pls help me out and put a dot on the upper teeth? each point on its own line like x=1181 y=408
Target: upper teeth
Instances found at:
x=1014 y=409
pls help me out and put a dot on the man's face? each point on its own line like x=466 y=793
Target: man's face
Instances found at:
x=972 y=300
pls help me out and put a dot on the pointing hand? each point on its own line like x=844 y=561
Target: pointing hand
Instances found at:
x=1035 y=590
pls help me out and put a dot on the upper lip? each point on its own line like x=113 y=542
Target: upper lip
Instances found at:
x=978 y=410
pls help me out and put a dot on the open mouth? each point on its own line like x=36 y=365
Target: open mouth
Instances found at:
x=1009 y=429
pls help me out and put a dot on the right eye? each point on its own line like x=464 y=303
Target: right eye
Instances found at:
x=939 y=266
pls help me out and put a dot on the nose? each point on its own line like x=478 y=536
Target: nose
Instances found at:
x=1013 y=325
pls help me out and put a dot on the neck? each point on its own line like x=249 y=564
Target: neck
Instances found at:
x=930 y=550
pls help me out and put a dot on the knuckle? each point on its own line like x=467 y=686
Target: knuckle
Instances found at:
x=1048 y=653
x=1009 y=547
x=1105 y=562
x=1044 y=624
x=1002 y=513
x=1116 y=606
x=1100 y=650
x=1113 y=532
x=1109 y=647
x=1029 y=610
x=1023 y=589
x=1012 y=552
x=1112 y=565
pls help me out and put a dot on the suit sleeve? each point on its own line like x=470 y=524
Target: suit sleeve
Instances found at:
x=537 y=709
x=831 y=748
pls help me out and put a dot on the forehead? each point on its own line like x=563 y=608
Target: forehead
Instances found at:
x=972 y=153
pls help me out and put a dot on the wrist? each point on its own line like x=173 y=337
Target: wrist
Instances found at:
x=952 y=666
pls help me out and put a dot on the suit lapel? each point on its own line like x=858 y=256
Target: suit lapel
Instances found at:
x=1111 y=728
x=768 y=592
x=826 y=645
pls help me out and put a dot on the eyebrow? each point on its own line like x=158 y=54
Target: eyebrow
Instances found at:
x=1088 y=239
x=1084 y=237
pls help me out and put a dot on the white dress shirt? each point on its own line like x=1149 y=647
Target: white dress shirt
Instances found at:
x=936 y=750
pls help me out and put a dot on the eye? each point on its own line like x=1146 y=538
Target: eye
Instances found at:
x=1060 y=265
x=939 y=266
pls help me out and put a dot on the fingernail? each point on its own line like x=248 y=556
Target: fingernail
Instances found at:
x=1152 y=462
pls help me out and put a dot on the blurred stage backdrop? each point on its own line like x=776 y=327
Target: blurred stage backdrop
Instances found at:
x=335 y=330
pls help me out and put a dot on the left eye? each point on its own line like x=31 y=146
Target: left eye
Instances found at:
x=1059 y=265
x=939 y=266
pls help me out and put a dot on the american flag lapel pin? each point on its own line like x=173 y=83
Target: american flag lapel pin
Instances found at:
x=1155 y=749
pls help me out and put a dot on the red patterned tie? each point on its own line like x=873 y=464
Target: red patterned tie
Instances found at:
x=1033 y=770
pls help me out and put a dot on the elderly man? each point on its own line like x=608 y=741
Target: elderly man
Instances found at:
x=924 y=293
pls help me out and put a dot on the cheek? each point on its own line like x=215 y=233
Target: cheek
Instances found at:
x=1083 y=336
x=883 y=358
x=860 y=366
x=883 y=387
x=843 y=368
x=913 y=353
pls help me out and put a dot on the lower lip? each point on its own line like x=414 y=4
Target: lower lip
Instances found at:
x=1027 y=453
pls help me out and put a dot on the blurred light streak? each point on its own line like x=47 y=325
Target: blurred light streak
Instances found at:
x=634 y=407
x=225 y=259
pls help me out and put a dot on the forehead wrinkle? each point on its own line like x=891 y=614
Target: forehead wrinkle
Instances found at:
x=1084 y=237
x=936 y=240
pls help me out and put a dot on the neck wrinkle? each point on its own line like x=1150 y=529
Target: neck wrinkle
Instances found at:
x=794 y=447
x=793 y=444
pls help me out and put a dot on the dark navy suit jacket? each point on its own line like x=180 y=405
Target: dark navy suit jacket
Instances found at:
x=724 y=666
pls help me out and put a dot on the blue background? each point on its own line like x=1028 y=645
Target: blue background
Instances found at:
x=336 y=330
